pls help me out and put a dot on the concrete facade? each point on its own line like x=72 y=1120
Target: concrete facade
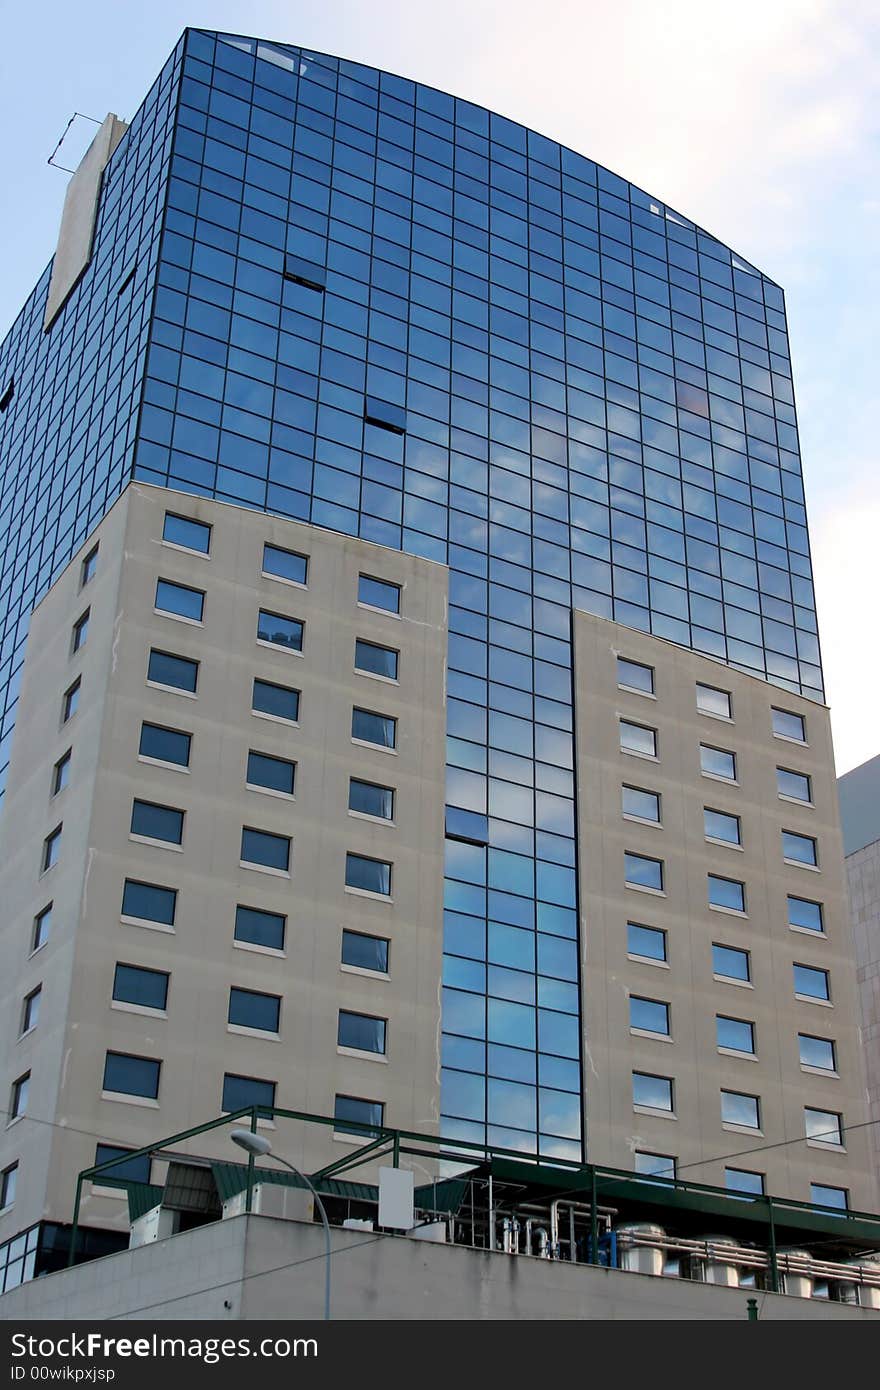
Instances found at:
x=859 y=792
x=693 y=1132
x=79 y=1021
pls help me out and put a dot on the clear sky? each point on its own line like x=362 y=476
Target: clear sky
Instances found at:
x=759 y=121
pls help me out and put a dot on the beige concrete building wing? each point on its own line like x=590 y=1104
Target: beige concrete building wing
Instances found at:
x=92 y=703
x=629 y=978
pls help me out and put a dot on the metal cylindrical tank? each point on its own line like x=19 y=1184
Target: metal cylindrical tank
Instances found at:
x=717 y=1268
x=868 y=1295
x=796 y=1284
x=644 y=1258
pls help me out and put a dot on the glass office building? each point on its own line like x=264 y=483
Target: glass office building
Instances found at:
x=337 y=295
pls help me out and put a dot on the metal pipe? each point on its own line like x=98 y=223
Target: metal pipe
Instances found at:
x=74 y=1228
x=320 y=1205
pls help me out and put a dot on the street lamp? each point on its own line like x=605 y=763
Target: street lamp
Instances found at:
x=259 y=1147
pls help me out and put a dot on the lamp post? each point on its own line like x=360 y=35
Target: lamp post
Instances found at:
x=259 y=1147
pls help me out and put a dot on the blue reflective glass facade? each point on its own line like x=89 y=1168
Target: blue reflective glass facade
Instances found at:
x=389 y=312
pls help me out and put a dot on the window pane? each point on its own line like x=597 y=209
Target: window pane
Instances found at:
x=165 y=745
x=248 y=1009
x=261 y=847
x=727 y=892
x=370 y=800
x=278 y=700
x=239 y=1091
x=635 y=738
x=644 y=805
x=812 y=982
x=711 y=700
x=738 y=1109
x=361 y=1032
x=71 y=701
x=789 y=725
x=806 y=914
x=817 y=1052
x=653 y=1091
x=741 y=1180
x=375 y=660
x=823 y=1196
x=51 y=849
x=157 y=822
x=634 y=676
x=730 y=962
x=61 y=775
x=7 y=1185
x=30 y=1013
x=645 y=941
x=127 y=1170
x=370 y=875
x=260 y=928
x=793 y=784
x=649 y=1014
x=735 y=1034
x=183 y=531
x=373 y=728
x=378 y=593
x=81 y=631
x=42 y=927
x=180 y=600
x=348 y=1112
x=824 y=1126
x=275 y=773
x=131 y=1076
x=19 y=1098
x=279 y=630
x=718 y=762
x=654 y=1165
x=134 y=984
x=285 y=564
x=800 y=848
x=646 y=873
x=366 y=952
x=149 y=901
x=89 y=567
x=718 y=825
x=177 y=671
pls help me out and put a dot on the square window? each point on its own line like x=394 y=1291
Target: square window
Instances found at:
x=740 y=1109
x=369 y=727
x=362 y=1118
x=155 y=822
x=365 y=952
x=632 y=675
x=787 y=724
x=817 y=1052
x=654 y=1165
x=240 y=1092
x=794 y=785
x=70 y=703
x=180 y=600
x=279 y=701
x=7 y=1186
x=124 y=1169
x=175 y=672
x=374 y=660
x=637 y=738
x=285 y=564
x=186 y=533
x=648 y=943
x=730 y=963
x=270 y=773
x=735 y=1034
x=823 y=1196
x=30 y=1009
x=149 y=902
x=378 y=593
x=649 y=1015
x=742 y=1180
x=824 y=1127
x=717 y=762
x=305 y=273
x=385 y=415
x=711 y=700
x=260 y=928
x=135 y=984
x=51 y=849
x=80 y=632
x=19 y=1096
x=130 y=1075
x=262 y=848
x=719 y=825
x=61 y=773
x=642 y=872
x=368 y=875
x=162 y=745
x=654 y=1092
x=810 y=983
x=805 y=914
x=799 y=849
x=370 y=799
x=640 y=804
x=249 y=1009
x=728 y=893
x=361 y=1032
x=89 y=568
x=42 y=927
x=279 y=631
